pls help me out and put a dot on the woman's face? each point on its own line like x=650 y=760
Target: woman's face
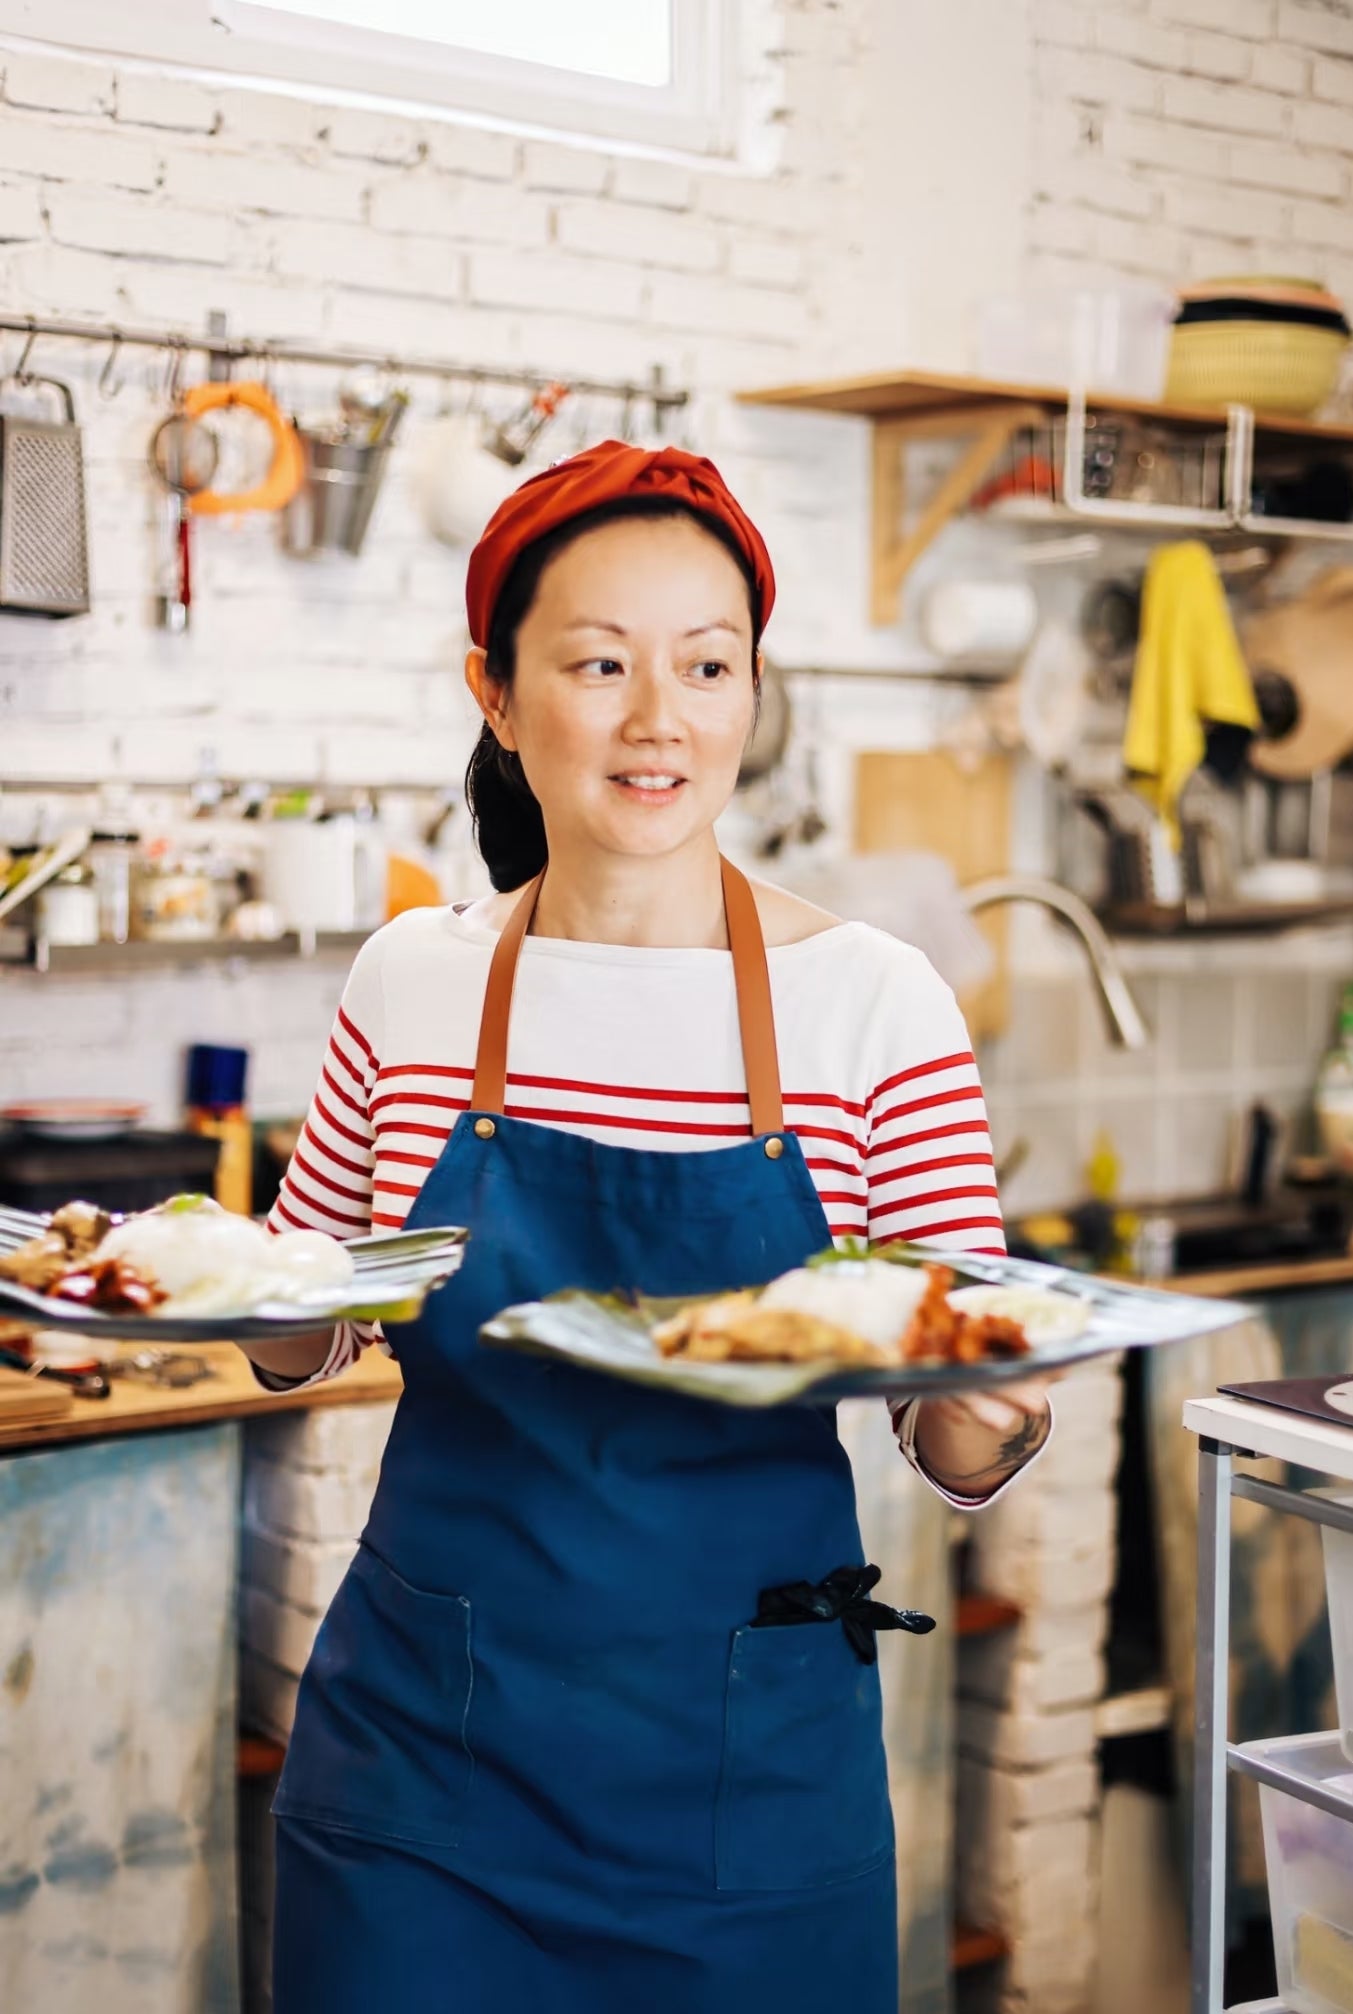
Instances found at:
x=633 y=695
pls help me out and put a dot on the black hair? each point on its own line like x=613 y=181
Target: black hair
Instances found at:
x=508 y=826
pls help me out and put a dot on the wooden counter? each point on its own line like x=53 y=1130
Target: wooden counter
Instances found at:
x=1239 y=1282
x=230 y=1393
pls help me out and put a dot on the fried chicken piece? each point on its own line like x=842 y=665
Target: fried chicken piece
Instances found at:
x=783 y=1336
x=38 y=1264
x=84 y=1226
x=673 y=1336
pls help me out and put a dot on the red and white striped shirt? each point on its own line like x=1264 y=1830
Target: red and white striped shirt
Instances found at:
x=640 y=1047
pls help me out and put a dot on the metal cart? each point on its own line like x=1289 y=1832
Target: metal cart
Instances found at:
x=1227 y=1428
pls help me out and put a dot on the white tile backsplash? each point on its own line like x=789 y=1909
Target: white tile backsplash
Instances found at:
x=1224 y=1035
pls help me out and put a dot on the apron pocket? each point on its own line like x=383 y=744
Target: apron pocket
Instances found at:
x=803 y=1791
x=380 y=1741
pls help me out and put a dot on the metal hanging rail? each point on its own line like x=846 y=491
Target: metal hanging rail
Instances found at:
x=223 y=352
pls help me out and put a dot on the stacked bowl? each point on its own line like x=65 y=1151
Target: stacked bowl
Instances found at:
x=1272 y=343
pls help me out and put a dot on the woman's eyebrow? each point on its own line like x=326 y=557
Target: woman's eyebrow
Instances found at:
x=618 y=629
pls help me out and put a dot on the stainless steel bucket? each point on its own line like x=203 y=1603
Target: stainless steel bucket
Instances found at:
x=332 y=509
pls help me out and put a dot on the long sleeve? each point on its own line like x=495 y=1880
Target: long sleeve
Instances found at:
x=931 y=1171
x=328 y=1185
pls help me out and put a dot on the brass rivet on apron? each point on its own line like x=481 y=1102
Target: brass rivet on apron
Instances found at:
x=485 y=1128
x=774 y=1149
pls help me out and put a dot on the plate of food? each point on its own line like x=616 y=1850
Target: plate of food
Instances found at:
x=191 y=1272
x=73 y=1118
x=902 y=1320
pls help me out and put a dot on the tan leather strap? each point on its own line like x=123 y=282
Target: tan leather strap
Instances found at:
x=751 y=977
x=490 y=1070
x=756 y=1016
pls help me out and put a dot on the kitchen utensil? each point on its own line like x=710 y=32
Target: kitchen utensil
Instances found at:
x=1307 y=642
x=1111 y=617
x=765 y=750
x=67 y=909
x=44 y=541
x=612 y=1336
x=176 y=1370
x=286 y=470
x=458 y=483
x=84 y=1382
x=395 y=1273
x=73 y=1118
x=325 y=873
x=183 y=454
x=1053 y=693
x=42 y=866
x=511 y=440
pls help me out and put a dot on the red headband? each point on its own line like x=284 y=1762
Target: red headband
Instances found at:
x=602 y=475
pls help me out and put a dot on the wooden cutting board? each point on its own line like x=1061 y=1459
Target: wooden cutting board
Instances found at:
x=926 y=801
x=1309 y=642
x=25 y=1401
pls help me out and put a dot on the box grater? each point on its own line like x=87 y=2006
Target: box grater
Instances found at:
x=44 y=544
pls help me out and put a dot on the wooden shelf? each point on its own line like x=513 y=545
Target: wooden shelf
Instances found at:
x=906 y=406
x=938 y=396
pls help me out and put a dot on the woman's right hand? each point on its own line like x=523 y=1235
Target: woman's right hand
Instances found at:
x=291 y=1357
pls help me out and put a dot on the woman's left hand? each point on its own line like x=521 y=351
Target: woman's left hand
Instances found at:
x=972 y=1442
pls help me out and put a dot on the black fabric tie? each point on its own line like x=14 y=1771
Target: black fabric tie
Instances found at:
x=842 y=1597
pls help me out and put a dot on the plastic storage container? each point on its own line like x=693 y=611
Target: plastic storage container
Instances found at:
x=1339 y=1589
x=1309 y=1853
x=1109 y=339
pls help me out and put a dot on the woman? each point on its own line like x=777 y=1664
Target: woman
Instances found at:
x=544 y=1758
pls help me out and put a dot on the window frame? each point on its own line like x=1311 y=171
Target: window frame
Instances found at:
x=250 y=42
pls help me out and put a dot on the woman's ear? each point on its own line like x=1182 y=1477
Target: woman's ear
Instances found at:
x=490 y=695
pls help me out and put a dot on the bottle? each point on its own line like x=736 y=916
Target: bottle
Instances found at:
x=1334 y=1092
x=216 y=1110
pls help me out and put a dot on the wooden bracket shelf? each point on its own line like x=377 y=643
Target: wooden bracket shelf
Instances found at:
x=907 y=406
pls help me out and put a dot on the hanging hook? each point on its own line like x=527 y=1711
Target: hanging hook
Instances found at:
x=108 y=388
x=21 y=373
x=173 y=383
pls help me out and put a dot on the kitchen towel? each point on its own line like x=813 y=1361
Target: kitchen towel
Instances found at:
x=1189 y=670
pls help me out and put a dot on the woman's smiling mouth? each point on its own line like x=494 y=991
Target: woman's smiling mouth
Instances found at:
x=654 y=786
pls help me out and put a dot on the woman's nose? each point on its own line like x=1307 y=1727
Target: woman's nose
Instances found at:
x=654 y=713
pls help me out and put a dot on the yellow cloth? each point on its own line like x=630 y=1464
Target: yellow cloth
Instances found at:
x=1189 y=669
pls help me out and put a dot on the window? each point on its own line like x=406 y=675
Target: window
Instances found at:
x=655 y=71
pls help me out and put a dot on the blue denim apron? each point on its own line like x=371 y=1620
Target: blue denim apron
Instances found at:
x=541 y=1760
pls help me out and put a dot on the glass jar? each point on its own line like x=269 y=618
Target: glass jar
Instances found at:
x=174 y=898
x=68 y=907
x=112 y=855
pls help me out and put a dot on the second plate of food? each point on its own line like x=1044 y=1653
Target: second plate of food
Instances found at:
x=906 y=1320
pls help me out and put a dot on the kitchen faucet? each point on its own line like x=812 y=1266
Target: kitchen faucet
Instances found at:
x=1126 y=1026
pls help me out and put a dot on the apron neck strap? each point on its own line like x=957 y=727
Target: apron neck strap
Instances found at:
x=751 y=976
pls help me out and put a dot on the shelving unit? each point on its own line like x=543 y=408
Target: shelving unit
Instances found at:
x=1228 y=1428
x=905 y=407
x=146 y=955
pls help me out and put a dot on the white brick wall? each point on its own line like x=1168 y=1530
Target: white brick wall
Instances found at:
x=1233 y=120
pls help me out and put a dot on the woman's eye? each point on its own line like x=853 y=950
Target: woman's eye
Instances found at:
x=603 y=667
x=710 y=671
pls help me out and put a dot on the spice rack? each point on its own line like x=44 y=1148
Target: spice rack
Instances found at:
x=905 y=408
x=18 y=953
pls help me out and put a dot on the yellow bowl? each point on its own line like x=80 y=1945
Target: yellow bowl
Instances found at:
x=1275 y=367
